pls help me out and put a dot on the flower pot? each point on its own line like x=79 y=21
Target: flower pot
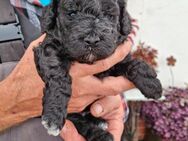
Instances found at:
x=141 y=129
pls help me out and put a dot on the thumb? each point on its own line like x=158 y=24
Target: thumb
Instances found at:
x=69 y=132
x=105 y=105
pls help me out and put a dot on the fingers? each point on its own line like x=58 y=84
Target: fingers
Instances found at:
x=40 y=39
x=110 y=108
x=84 y=69
x=116 y=125
x=105 y=105
x=108 y=86
x=116 y=85
x=134 y=23
x=115 y=122
x=36 y=42
x=69 y=132
x=135 y=28
x=116 y=129
x=78 y=104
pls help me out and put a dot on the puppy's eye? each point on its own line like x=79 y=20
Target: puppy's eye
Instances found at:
x=72 y=13
x=107 y=31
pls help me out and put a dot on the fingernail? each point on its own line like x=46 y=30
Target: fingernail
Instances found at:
x=98 y=109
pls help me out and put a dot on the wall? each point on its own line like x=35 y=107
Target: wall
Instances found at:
x=163 y=26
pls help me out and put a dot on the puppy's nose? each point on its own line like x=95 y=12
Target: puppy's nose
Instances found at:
x=91 y=39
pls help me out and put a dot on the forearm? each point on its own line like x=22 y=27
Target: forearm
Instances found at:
x=11 y=118
x=13 y=108
x=20 y=93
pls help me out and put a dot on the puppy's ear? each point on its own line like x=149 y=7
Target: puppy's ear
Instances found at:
x=125 y=26
x=49 y=14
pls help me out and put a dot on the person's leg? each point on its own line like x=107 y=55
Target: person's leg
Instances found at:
x=31 y=130
x=6 y=68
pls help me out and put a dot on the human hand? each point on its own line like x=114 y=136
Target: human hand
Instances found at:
x=109 y=108
x=21 y=92
x=113 y=112
x=24 y=83
x=86 y=88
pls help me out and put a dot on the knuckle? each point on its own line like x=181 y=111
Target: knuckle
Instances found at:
x=105 y=64
x=116 y=90
x=123 y=54
x=112 y=90
x=76 y=91
x=115 y=93
x=80 y=93
x=31 y=44
x=81 y=108
x=114 y=86
x=34 y=43
x=119 y=99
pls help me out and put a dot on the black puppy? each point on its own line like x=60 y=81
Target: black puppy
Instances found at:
x=85 y=31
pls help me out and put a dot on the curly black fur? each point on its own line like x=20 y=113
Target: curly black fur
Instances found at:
x=85 y=31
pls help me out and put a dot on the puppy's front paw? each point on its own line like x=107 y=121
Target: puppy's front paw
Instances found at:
x=140 y=68
x=51 y=125
x=144 y=78
x=150 y=87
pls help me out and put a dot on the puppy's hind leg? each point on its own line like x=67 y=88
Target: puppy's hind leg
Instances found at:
x=89 y=128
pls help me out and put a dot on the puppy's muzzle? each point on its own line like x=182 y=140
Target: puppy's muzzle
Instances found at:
x=91 y=40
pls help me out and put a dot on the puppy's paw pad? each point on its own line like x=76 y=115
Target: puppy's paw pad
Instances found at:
x=51 y=127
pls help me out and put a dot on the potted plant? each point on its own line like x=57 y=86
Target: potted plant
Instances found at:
x=169 y=118
x=135 y=126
